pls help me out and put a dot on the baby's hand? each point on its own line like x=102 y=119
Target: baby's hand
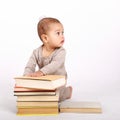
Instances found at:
x=35 y=74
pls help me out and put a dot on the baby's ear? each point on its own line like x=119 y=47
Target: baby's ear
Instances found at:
x=44 y=38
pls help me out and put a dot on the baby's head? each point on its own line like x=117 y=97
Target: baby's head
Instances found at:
x=50 y=31
x=44 y=25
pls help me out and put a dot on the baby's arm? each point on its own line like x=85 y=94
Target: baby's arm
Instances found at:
x=31 y=64
x=56 y=64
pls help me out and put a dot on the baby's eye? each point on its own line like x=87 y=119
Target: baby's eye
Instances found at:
x=58 y=33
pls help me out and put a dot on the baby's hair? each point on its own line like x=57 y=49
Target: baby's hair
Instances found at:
x=43 y=25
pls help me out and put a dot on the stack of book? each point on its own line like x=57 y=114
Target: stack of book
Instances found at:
x=38 y=95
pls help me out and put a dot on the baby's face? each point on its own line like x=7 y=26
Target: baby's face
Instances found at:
x=55 y=35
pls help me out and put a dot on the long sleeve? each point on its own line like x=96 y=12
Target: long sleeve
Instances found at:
x=31 y=64
x=53 y=64
x=56 y=66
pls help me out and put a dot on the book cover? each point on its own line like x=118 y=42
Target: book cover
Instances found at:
x=50 y=82
x=39 y=98
x=32 y=104
x=35 y=111
x=44 y=78
x=80 y=107
x=24 y=89
x=33 y=93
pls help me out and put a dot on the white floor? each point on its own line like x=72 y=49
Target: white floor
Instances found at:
x=110 y=101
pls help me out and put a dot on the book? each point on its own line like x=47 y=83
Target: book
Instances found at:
x=24 y=89
x=31 y=104
x=37 y=111
x=80 y=107
x=33 y=93
x=50 y=82
x=39 y=97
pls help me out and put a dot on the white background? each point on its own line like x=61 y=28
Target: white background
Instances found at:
x=92 y=42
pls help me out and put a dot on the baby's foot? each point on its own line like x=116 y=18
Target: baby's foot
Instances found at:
x=69 y=89
x=66 y=94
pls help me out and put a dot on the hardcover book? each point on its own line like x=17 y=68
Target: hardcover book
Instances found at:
x=33 y=104
x=37 y=111
x=50 y=82
x=33 y=93
x=38 y=97
x=24 y=89
x=80 y=107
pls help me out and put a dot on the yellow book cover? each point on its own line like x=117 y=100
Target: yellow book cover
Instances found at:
x=35 y=111
x=37 y=104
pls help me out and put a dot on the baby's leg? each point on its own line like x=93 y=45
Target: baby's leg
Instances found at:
x=65 y=93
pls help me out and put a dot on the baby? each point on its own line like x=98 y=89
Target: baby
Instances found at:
x=50 y=56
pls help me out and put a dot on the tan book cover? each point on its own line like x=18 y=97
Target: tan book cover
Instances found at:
x=31 y=104
x=80 y=107
x=33 y=93
x=44 y=78
x=39 y=97
x=24 y=89
x=50 y=82
x=37 y=111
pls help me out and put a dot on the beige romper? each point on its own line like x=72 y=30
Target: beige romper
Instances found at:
x=53 y=64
